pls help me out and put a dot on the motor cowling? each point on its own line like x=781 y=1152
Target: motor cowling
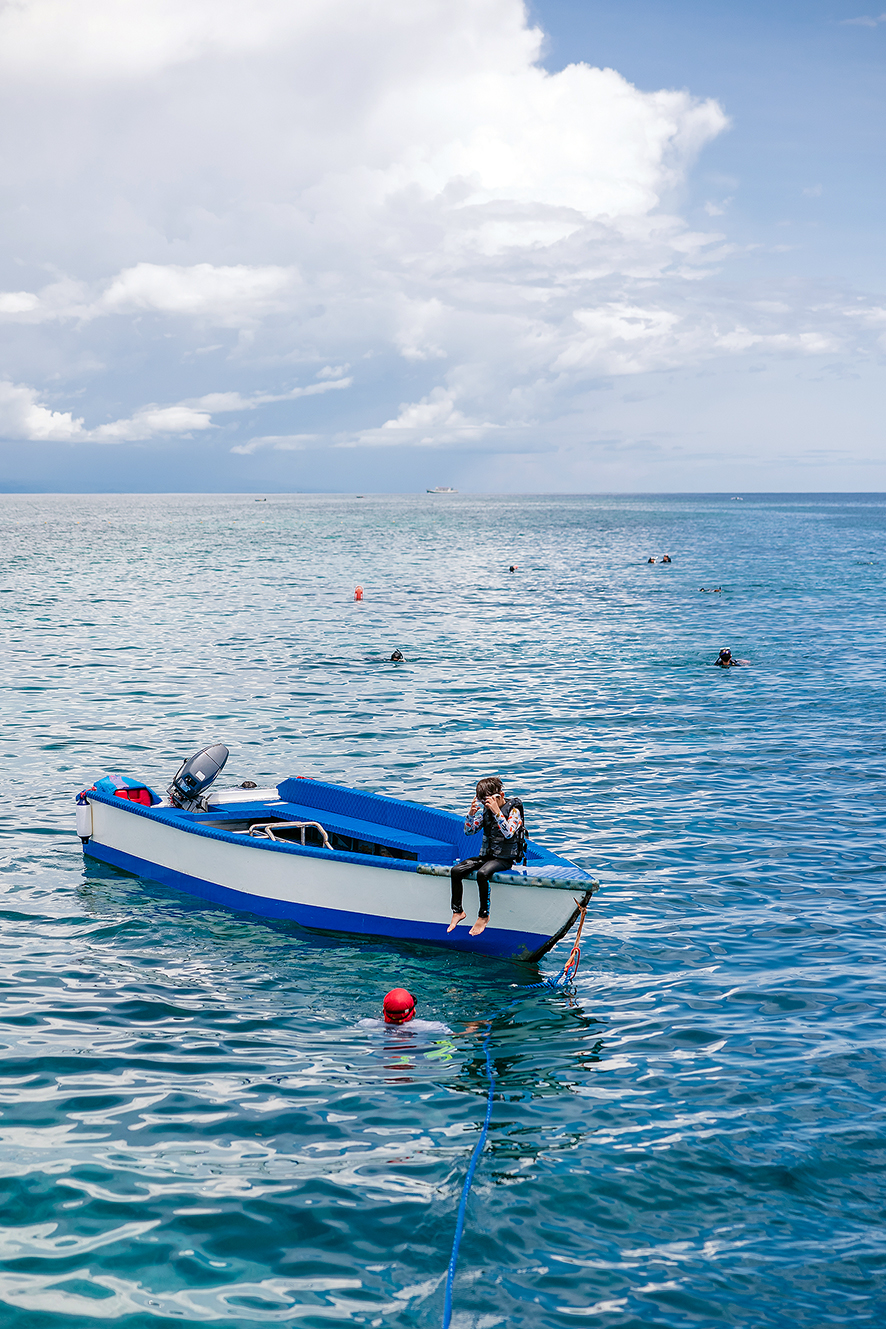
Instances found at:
x=195 y=775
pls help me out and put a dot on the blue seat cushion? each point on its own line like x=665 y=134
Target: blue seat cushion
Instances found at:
x=428 y=823
x=426 y=849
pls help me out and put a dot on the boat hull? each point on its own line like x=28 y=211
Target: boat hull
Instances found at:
x=324 y=892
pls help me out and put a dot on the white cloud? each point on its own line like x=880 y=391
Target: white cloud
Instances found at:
x=61 y=299
x=717 y=209
x=277 y=443
x=864 y=21
x=116 y=39
x=150 y=421
x=18 y=302
x=23 y=416
x=223 y=296
x=219 y=402
x=433 y=421
x=397 y=187
x=811 y=343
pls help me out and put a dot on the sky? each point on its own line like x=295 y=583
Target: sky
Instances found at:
x=382 y=245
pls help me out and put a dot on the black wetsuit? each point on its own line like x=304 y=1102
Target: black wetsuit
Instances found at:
x=484 y=868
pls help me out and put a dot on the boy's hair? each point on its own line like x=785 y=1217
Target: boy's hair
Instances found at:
x=488 y=786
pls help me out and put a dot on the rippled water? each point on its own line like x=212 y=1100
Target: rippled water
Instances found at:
x=193 y=1125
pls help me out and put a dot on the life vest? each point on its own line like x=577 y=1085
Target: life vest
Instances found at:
x=496 y=845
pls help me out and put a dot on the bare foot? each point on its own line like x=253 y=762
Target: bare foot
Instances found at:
x=479 y=926
x=456 y=919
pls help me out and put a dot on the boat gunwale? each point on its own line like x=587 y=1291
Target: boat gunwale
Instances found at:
x=251 y=841
x=525 y=879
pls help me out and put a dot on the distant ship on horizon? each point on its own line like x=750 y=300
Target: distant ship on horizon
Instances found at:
x=442 y=489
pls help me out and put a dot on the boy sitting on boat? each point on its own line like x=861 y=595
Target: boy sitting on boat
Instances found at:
x=503 y=845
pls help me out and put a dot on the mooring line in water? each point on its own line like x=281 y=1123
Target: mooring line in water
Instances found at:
x=472 y=1167
x=570 y=968
x=563 y=979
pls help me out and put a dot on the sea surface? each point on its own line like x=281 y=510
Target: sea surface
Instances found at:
x=195 y=1127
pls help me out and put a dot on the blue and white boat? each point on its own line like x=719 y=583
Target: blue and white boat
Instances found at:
x=327 y=857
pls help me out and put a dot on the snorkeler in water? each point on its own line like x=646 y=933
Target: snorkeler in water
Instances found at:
x=725 y=660
x=398 y=1008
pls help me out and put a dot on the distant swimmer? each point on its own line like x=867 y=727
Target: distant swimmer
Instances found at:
x=512 y=568
x=725 y=660
x=399 y=1008
x=650 y=560
x=710 y=590
x=398 y=655
x=666 y=558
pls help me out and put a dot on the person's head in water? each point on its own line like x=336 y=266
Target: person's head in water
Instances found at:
x=399 y=1006
x=398 y=655
x=725 y=658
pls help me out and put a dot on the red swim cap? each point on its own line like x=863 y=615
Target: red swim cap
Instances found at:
x=399 y=1006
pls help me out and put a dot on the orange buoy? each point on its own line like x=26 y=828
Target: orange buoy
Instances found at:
x=358 y=592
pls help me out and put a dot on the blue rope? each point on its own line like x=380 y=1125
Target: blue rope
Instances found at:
x=562 y=980
x=472 y=1167
x=559 y=982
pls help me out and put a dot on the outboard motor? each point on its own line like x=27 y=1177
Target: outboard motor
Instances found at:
x=195 y=775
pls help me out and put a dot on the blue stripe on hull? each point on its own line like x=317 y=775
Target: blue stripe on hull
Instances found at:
x=494 y=941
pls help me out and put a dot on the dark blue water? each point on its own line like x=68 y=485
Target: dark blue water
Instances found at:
x=193 y=1125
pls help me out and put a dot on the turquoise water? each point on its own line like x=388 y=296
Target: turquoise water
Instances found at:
x=194 y=1127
